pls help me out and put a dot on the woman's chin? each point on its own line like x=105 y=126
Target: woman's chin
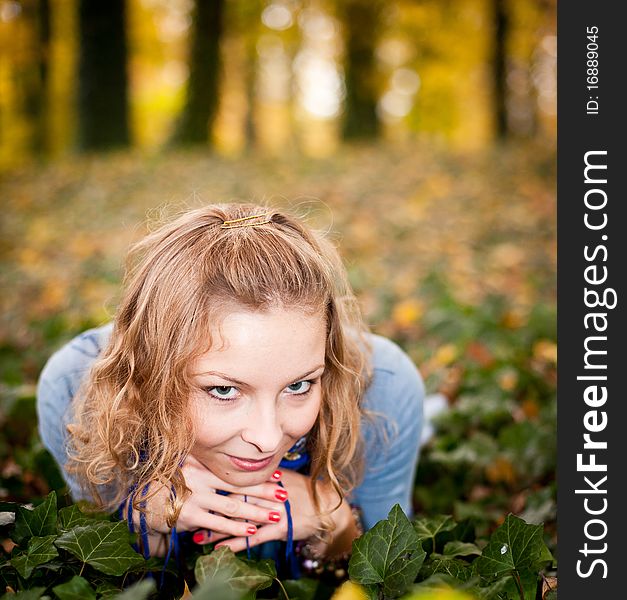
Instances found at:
x=243 y=478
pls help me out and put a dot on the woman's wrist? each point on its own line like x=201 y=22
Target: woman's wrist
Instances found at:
x=348 y=528
x=318 y=557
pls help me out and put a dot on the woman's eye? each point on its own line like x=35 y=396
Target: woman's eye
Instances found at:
x=300 y=387
x=222 y=392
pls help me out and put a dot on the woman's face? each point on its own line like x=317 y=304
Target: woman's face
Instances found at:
x=257 y=391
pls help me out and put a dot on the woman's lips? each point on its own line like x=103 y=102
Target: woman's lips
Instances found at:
x=250 y=464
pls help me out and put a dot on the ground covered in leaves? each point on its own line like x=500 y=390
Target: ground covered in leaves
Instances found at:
x=452 y=255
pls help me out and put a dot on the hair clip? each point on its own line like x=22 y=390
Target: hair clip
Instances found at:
x=247 y=221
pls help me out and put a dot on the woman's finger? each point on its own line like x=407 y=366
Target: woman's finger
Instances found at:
x=264 y=534
x=235 y=507
x=204 y=536
x=263 y=491
x=218 y=524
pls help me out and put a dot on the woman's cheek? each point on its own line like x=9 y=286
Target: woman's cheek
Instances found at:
x=304 y=418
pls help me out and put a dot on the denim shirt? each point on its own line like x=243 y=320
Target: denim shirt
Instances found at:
x=391 y=437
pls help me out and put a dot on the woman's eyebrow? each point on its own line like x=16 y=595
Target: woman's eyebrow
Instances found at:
x=238 y=382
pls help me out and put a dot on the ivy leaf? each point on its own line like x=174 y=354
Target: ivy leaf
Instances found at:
x=301 y=589
x=40 y=550
x=103 y=545
x=38 y=522
x=429 y=528
x=72 y=516
x=106 y=589
x=528 y=582
x=389 y=554
x=545 y=557
x=449 y=566
x=222 y=566
x=138 y=591
x=32 y=594
x=514 y=546
x=457 y=548
x=495 y=590
x=76 y=588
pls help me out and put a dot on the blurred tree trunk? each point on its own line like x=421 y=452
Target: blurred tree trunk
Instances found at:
x=203 y=85
x=499 y=67
x=252 y=19
x=361 y=22
x=103 y=78
x=34 y=78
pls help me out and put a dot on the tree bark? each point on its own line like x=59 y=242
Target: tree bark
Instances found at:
x=203 y=85
x=499 y=68
x=103 y=78
x=361 y=21
x=33 y=77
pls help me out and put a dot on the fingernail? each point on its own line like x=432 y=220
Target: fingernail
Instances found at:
x=281 y=495
x=251 y=530
x=277 y=475
x=198 y=537
x=274 y=516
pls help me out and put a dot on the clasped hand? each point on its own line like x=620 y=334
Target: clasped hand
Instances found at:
x=255 y=513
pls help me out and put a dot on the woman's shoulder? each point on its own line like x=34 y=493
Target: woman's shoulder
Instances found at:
x=69 y=363
x=396 y=381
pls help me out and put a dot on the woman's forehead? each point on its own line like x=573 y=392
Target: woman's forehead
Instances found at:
x=280 y=339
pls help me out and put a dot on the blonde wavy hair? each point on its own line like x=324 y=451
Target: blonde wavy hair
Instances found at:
x=133 y=426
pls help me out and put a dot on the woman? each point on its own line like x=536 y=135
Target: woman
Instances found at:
x=237 y=395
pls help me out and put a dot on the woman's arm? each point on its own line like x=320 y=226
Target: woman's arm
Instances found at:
x=392 y=435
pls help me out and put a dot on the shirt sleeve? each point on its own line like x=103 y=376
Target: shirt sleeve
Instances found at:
x=58 y=383
x=391 y=432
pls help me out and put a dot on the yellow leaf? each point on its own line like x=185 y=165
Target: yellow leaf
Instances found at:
x=443 y=594
x=530 y=408
x=445 y=355
x=349 y=591
x=508 y=379
x=545 y=350
x=501 y=470
x=186 y=592
x=407 y=312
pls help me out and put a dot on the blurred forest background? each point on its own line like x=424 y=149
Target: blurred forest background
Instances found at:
x=422 y=133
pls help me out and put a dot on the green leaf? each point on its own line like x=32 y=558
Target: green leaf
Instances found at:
x=39 y=551
x=76 y=588
x=72 y=516
x=222 y=566
x=389 y=554
x=106 y=589
x=456 y=568
x=457 y=548
x=545 y=557
x=217 y=589
x=301 y=589
x=38 y=522
x=32 y=594
x=103 y=545
x=495 y=590
x=429 y=528
x=436 y=582
x=138 y=591
x=528 y=581
x=514 y=546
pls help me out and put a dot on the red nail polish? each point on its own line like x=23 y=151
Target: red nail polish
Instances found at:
x=274 y=516
x=281 y=495
x=198 y=537
x=276 y=475
x=251 y=530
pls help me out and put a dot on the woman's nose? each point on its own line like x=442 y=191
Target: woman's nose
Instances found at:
x=263 y=429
